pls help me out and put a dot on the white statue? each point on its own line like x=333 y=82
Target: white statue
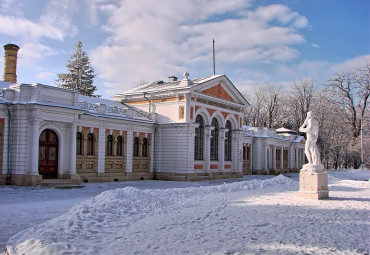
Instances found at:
x=311 y=127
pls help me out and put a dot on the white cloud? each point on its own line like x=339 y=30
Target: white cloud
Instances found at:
x=351 y=63
x=54 y=23
x=154 y=39
x=29 y=52
x=11 y=6
x=20 y=27
x=43 y=75
x=315 y=45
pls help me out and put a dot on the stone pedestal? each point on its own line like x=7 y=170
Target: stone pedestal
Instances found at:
x=313 y=182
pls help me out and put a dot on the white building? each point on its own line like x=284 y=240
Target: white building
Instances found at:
x=189 y=129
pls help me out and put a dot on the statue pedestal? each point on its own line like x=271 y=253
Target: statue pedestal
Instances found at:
x=313 y=182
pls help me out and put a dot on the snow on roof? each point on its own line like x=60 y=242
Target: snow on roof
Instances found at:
x=4 y=84
x=97 y=100
x=169 y=85
x=283 y=130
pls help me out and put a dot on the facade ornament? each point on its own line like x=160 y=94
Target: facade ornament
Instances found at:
x=186 y=81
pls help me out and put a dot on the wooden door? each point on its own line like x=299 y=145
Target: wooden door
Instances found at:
x=48 y=154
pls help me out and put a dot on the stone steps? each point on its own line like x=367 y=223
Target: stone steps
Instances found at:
x=59 y=184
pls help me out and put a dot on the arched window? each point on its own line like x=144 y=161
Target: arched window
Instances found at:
x=79 y=143
x=214 y=140
x=119 y=149
x=136 y=147
x=109 y=146
x=144 y=148
x=228 y=136
x=199 y=139
x=90 y=144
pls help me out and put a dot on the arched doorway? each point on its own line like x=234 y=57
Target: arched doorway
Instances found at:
x=48 y=154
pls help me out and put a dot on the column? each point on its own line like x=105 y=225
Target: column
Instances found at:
x=237 y=151
x=274 y=157
x=101 y=150
x=302 y=158
x=221 y=149
x=207 y=148
x=266 y=157
x=129 y=151
x=72 y=155
x=281 y=158
x=35 y=147
x=296 y=158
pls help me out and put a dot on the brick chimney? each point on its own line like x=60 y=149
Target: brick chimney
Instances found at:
x=10 y=63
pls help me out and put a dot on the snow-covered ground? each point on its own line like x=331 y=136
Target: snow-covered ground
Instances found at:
x=255 y=215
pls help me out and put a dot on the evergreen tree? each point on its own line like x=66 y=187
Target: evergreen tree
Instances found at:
x=80 y=74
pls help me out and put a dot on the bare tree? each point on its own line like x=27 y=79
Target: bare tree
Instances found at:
x=265 y=102
x=350 y=93
x=301 y=98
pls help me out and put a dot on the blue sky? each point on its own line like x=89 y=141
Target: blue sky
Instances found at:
x=266 y=41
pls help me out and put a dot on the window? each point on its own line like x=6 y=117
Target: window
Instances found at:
x=90 y=144
x=228 y=141
x=214 y=140
x=109 y=146
x=248 y=153
x=244 y=152
x=119 y=149
x=79 y=143
x=199 y=139
x=278 y=154
x=136 y=147
x=144 y=148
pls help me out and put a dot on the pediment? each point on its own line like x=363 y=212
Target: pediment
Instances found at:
x=220 y=92
x=220 y=87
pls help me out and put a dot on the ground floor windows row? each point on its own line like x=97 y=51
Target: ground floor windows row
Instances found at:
x=114 y=145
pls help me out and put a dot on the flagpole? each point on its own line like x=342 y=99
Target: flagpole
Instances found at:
x=214 y=61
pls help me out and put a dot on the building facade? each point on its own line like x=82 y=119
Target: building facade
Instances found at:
x=185 y=130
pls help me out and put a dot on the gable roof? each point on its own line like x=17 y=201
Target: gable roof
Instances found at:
x=218 y=86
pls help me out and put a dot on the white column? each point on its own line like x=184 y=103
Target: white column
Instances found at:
x=281 y=157
x=35 y=147
x=221 y=150
x=72 y=155
x=101 y=150
x=302 y=158
x=274 y=157
x=296 y=158
x=129 y=151
x=266 y=157
x=207 y=148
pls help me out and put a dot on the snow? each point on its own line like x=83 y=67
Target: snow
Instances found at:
x=253 y=215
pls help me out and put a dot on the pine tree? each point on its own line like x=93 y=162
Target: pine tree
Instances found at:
x=80 y=74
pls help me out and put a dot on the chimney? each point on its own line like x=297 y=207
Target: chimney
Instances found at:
x=172 y=78
x=10 y=63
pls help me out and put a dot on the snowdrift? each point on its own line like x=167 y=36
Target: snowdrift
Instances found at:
x=89 y=226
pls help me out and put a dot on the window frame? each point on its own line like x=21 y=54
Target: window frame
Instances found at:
x=119 y=146
x=199 y=139
x=136 y=147
x=144 y=148
x=214 y=140
x=228 y=141
x=79 y=143
x=109 y=145
x=90 y=144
